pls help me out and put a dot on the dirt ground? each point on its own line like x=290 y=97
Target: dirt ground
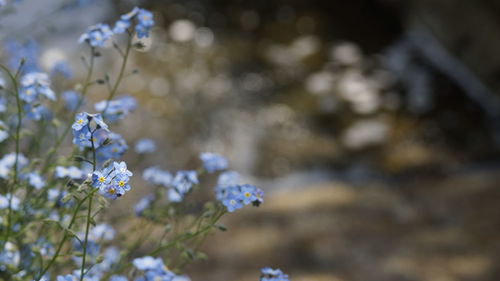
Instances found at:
x=443 y=229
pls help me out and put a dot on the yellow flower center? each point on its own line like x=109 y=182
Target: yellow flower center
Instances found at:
x=80 y=121
x=111 y=191
x=121 y=183
x=247 y=194
x=101 y=179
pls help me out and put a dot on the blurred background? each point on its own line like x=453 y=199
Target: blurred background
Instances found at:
x=373 y=126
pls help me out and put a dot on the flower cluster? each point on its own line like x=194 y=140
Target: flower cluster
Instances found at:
x=113 y=180
x=84 y=135
x=233 y=195
x=33 y=85
x=116 y=109
x=178 y=186
x=181 y=185
x=69 y=199
x=269 y=274
x=154 y=269
x=144 y=22
x=96 y=35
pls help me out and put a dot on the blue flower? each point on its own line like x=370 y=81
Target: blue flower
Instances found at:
x=269 y=274
x=121 y=181
x=121 y=26
x=144 y=20
x=236 y=196
x=248 y=193
x=98 y=120
x=71 y=99
x=232 y=203
x=213 y=162
x=181 y=184
x=35 y=180
x=102 y=232
x=4 y=202
x=144 y=146
x=71 y=172
x=96 y=35
x=82 y=137
x=113 y=149
x=34 y=84
x=116 y=109
x=36 y=111
x=7 y=163
x=148 y=263
x=121 y=169
x=99 y=179
x=81 y=130
x=112 y=182
x=228 y=178
x=157 y=176
x=154 y=270
x=81 y=120
x=131 y=14
x=142 y=31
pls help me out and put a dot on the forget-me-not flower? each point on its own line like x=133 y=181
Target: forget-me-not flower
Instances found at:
x=96 y=35
x=213 y=162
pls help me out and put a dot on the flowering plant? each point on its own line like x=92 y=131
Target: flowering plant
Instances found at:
x=51 y=222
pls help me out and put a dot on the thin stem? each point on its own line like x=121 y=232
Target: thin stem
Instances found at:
x=187 y=236
x=89 y=212
x=16 y=162
x=61 y=244
x=120 y=75
x=86 y=239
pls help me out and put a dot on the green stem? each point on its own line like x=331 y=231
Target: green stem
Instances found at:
x=187 y=236
x=86 y=239
x=66 y=235
x=89 y=212
x=16 y=162
x=121 y=73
